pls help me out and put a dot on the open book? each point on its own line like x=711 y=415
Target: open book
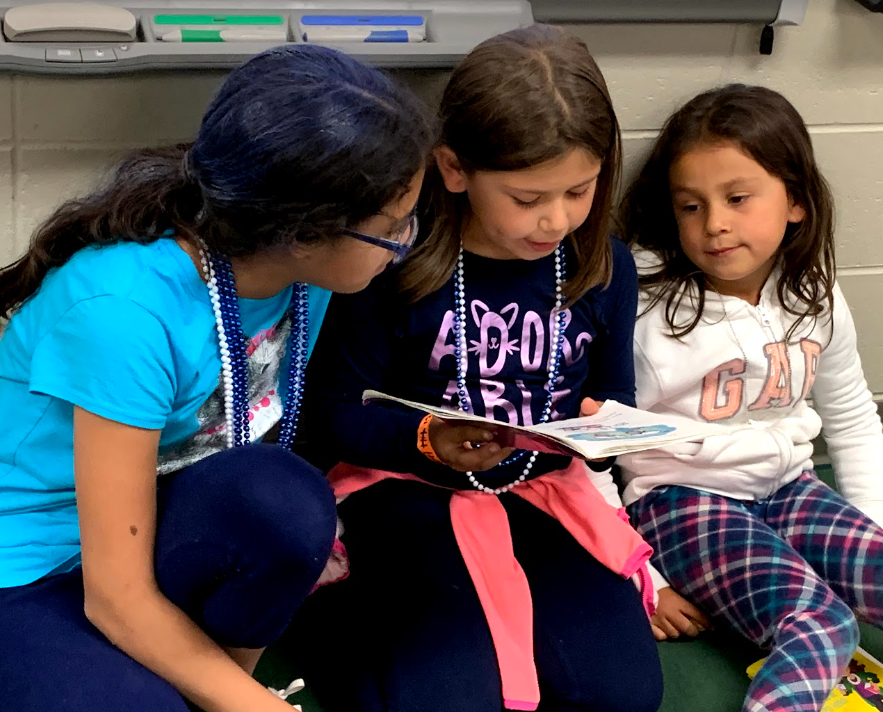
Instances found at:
x=614 y=430
x=859 y=688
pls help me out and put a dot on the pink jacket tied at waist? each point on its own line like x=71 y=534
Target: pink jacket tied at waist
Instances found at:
x=481 y=528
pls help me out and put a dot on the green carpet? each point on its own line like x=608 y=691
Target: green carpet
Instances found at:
x=705 y=675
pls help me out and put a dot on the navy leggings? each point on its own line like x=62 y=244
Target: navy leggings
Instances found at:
x=242 y=537
x=406 y=633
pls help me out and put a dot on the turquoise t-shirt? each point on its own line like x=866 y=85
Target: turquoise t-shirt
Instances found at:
x=126 y=332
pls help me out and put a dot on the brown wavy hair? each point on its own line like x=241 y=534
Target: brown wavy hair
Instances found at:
x=765 y=126
x=516 y=101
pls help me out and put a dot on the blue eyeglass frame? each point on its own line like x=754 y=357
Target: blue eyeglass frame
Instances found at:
x=399 y=248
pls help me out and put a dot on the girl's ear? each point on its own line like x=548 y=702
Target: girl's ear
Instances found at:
x=796 y=212
x=451 y=172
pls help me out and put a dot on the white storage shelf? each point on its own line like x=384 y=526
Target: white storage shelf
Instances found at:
x=453 y=28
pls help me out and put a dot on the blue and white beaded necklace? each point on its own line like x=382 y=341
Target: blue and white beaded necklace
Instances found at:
x=461 y=353
x=234 y=360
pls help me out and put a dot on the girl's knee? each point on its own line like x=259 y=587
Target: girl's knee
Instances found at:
x=295 y=504
x=588 y=686
x=643 y=693
x=832 y=622
x=846 y=631
x=641 y=696
x=279 y=498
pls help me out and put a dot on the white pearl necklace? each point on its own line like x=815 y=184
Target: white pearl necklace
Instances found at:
x=211 y=280
x=234 y=361
x=463 y=359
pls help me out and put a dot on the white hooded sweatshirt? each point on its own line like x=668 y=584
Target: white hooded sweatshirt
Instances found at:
x=735 y=368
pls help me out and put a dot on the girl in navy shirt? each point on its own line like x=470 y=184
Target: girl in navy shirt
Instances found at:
x=465 y=594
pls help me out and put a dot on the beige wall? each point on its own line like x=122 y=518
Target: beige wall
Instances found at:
x=57 y=133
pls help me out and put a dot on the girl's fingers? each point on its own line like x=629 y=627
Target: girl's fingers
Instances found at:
x=588 y=407
x=658 y=633
x=482 y=459
x=697 y=616
x=685 y=625
x=668 y=627
x=474 y=434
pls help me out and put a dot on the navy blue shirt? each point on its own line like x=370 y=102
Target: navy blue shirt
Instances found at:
x=374 y=339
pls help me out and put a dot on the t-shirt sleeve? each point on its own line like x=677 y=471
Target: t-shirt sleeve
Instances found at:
x=355 y=353
x=611 y=365
x=110 y=356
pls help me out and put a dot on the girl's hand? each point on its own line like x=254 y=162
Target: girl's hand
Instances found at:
x=466 y=448
x=115 y=473
x=588 y=407
x=675 y=615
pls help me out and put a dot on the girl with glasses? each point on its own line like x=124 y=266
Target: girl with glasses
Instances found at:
x=160 y=326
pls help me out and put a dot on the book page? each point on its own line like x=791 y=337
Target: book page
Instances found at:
x=516 y=436
x=618 y=428
x=615 y=429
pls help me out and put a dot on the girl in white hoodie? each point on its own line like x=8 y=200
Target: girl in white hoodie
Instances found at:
x=743 y=324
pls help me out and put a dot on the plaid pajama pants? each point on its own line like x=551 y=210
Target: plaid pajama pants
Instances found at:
x=787 y=572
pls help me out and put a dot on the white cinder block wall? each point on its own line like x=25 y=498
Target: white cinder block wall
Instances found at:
x=56 y=134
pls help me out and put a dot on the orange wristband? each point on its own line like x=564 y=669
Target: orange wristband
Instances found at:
x=423 y=443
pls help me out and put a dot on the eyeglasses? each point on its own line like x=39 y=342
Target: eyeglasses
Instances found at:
x=401 y=246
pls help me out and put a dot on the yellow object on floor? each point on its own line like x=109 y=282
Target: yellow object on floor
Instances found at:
x=858 y=689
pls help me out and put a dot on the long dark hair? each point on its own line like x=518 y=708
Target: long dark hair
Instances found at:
x=299 y=142
x=516 y=101
x=763 y=124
